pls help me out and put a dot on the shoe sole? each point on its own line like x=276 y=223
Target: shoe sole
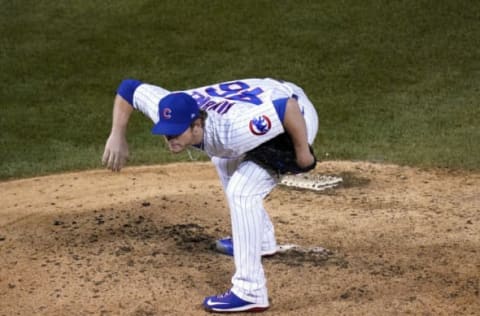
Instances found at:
x=256 y=309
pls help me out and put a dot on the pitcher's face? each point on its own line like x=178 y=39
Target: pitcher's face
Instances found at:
x=178 y=143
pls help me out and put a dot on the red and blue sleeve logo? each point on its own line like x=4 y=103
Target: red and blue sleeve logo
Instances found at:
x=260 y=125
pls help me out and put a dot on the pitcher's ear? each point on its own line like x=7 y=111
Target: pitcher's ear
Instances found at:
x=196 y=125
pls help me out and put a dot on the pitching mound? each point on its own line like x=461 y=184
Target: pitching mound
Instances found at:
x=396 y=241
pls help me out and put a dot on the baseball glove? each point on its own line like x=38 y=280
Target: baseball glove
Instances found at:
x=278 y=155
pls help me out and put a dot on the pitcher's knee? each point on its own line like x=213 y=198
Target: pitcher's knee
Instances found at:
x=233 y=194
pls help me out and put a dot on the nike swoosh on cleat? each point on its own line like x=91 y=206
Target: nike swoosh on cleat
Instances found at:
x=212 y=303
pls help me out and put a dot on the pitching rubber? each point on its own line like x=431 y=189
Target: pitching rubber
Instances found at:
x=315 y=182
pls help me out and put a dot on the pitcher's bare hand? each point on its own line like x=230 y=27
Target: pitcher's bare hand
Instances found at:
x=116 y=152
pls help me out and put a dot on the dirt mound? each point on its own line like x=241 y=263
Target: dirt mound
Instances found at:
x=400 y=241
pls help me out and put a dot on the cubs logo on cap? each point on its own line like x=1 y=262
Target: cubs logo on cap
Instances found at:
x=167 y=113
x=260 y=125
x=176 y=111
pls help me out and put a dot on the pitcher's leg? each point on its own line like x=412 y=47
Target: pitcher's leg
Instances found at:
x=245 y=192
x=225 y=169
x=269 y=242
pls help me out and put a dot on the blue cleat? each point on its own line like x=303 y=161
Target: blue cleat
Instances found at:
x=229 y=302
x=225 y=246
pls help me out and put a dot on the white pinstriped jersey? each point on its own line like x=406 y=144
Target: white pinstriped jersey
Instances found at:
x=241 y=115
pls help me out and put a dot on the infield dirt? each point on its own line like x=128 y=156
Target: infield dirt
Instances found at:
x=402 y=241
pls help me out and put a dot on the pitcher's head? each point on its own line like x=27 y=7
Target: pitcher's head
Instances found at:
x=176 y=112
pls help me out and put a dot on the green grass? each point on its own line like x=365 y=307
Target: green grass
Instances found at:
x=393 y=81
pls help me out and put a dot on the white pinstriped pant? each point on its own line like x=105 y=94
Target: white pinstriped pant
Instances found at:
x=246 y=185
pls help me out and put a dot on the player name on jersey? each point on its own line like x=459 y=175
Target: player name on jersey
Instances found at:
x=207 y=104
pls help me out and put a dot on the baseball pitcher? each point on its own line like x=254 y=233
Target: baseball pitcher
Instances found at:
x=253 y=130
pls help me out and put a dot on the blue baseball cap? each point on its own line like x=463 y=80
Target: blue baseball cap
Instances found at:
x=176 y=112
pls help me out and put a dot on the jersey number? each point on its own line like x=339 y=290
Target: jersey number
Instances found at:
x=237 y=91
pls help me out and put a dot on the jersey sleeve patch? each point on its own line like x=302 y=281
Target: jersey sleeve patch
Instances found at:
x=260 y=125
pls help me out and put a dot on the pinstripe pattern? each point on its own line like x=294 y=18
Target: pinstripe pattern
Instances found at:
x=225 y=169
x=146 y=99
x=229 y=134
x=245 y=192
